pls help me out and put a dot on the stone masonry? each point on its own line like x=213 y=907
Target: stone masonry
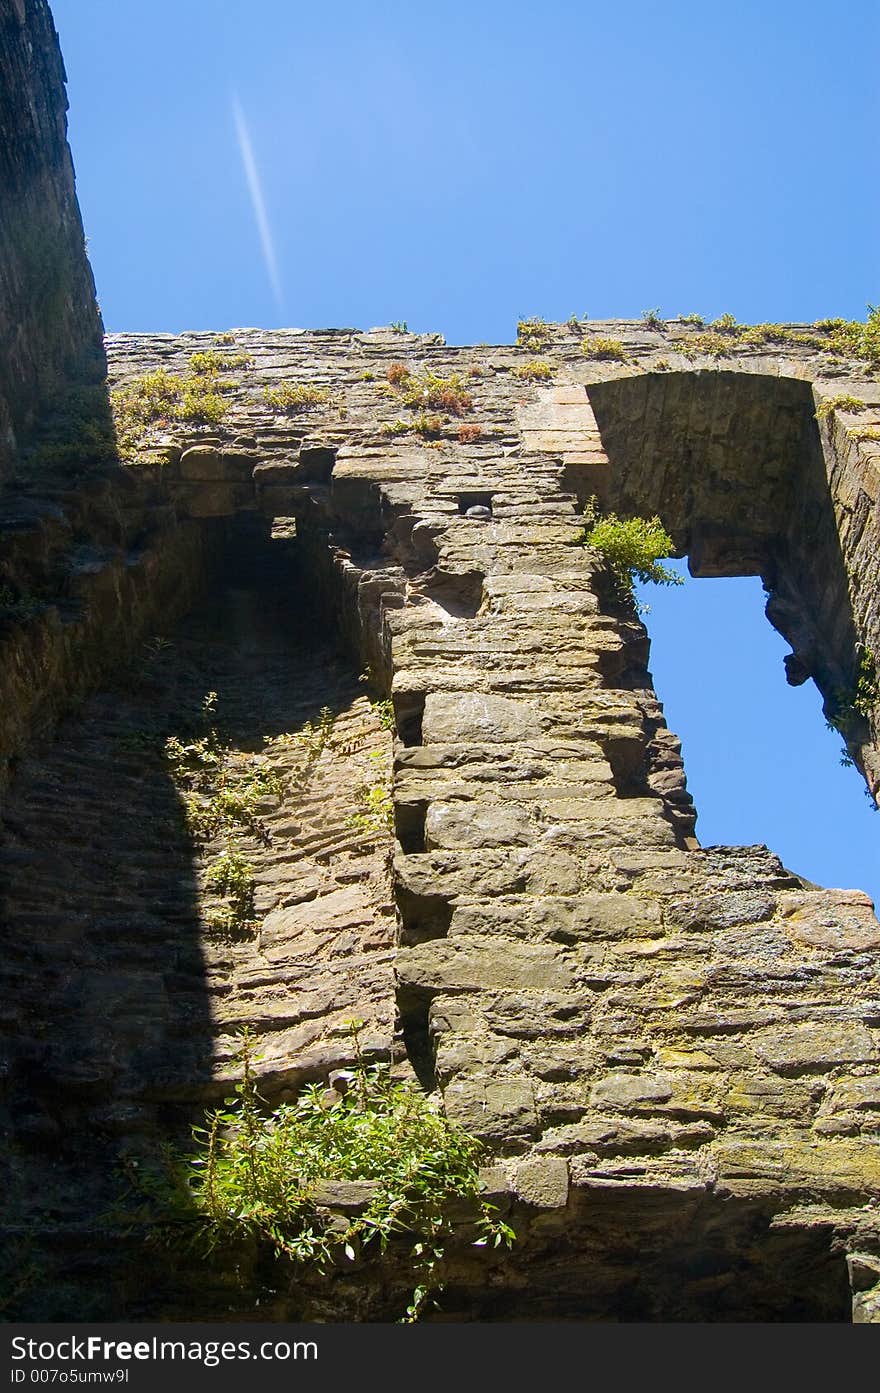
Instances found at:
x=50 y=327
x=654 y=1039
x=671 y=1052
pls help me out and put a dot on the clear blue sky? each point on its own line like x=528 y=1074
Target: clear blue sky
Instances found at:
x=459 y=165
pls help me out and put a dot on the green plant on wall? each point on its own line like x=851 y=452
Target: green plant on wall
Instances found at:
x=844 y=401
x=849 y=338
x=632 y=548
x=161 y=397
x=603 y=348
x=293 y=397
x=851 y=706
x=221 y=789
x=533 y=334
x=534 y=369
x=257 y=1172
x=375 y=809
x=232 y=876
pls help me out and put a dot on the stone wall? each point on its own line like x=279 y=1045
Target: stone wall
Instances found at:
x=50 y=329
x=670 y=1051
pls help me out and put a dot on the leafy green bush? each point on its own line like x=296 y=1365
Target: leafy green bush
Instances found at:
x=632 y=548
x=257 y=1171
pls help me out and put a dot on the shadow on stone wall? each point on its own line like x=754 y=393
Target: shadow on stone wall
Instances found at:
x=113 y=994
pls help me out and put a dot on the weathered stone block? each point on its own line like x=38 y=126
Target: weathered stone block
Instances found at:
x=542 y=1182
x=350 y=1196
x=631 y=1090
x=202 y=463
x=466 y=825
x=502 y=1110
x=444 y=965
x=834 y=919
x=816 y=1045
x=451 y=717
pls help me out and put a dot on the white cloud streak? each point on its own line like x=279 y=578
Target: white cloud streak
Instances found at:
x=259 y=203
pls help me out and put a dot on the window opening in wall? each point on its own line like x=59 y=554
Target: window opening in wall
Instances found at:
x=761 y=764
x=482 y=502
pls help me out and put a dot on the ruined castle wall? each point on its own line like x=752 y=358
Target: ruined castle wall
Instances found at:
x=50 y=329
x=671 y=1053
x=653 y=1039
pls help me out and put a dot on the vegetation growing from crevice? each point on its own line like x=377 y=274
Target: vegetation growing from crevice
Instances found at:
x=469 y=432
x=222 y=789
x=535 y=370
x=258 y=1173
x=850 y=338
x=632 y=548
x=756 y=335
x=611 y=350
x=161 y=398
x=232 y=877
x=313 y=738
x=842 y=402
x=841 y=337
x=211 y=361
x=430 y=426
x=713 y=344
x=428 y=391
x=375 y=812
x=852 y=706
x=533 y=334
x=434 y=400
x=383 y=710
x=293 y=397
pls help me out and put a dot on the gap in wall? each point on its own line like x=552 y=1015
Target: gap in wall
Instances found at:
x=760 y=763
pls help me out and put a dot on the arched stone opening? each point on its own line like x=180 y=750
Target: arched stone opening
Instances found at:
x=749 y=482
